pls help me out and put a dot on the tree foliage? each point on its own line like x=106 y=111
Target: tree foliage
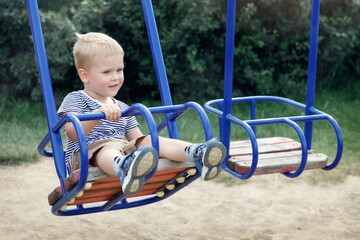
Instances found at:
x=271 y=45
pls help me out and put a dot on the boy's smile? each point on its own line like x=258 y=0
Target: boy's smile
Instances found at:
x=104 y=77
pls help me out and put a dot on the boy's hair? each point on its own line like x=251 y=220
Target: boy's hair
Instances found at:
x=91 y=44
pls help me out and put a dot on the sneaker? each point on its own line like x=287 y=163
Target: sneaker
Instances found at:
x=208 y=158
x=135 y=167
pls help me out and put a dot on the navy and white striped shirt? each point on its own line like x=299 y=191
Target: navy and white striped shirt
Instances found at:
x=81 y=103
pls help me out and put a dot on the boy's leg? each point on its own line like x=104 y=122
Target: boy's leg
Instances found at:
x=104 y=159
x=172 y=149
x=207 y=157
x=131 y=169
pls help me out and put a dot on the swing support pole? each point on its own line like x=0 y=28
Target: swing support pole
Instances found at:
x=159 y=64
x=311 y=80
x=47 y=91
x=228 y=75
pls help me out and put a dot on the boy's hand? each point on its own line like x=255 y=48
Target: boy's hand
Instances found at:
x=111 y=110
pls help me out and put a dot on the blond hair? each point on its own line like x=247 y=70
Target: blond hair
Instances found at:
x=91 y=44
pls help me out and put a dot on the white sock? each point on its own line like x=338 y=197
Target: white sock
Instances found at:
x=190 y=151
x=118 y=162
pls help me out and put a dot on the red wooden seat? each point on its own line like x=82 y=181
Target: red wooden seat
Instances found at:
x=103 y=187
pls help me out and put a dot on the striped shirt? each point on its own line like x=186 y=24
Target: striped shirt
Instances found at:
x=81 y=103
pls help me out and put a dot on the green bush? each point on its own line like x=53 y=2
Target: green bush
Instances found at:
x=271 y=46
x=19 y=71
x=192 y=44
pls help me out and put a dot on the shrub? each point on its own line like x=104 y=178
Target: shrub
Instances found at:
x=271 y=46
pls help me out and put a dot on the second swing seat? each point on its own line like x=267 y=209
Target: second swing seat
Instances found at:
x=276 y=155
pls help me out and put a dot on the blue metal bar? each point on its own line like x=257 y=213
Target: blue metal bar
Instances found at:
x=112 y=202
x=221 y=108
x=253 y=113
x=228 y=75
x=310 y=95
x=46 y=87
x=254 y=145
x=304 y=152
x=200 y=111
x=174 y=110
x=339 y=141
x=307 y=118
x=159 y=63
x=84 y=167
x=42 y=146
x=208 y=105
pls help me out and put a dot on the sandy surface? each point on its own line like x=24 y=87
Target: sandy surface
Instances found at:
x=266 y=207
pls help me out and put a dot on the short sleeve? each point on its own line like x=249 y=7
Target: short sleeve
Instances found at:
x=72 y=103
x=131 y=121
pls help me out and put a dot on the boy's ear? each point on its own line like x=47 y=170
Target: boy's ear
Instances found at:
x=83 y=75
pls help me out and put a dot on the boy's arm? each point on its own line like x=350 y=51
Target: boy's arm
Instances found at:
x=88 y=126
x=112 y=113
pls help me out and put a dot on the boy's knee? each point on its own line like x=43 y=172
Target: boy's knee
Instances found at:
x=143 y=141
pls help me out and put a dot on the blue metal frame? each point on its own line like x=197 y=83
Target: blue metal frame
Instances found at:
x=223 y=109
x=170 y=111
x=159 y=64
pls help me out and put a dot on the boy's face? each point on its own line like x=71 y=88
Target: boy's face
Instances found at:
x=104 y=78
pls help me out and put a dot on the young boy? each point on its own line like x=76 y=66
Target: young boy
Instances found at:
x=99 y=63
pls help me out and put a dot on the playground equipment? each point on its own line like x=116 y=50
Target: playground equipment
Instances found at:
x=91 y=185
x=272 y=155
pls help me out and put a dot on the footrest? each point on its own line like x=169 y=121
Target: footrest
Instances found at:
x=102 y=187
x=276 y=155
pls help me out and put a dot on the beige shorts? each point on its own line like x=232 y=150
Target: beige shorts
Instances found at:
x=123 y=146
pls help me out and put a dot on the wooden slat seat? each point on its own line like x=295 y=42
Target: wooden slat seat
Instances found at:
x=276 y=155
x=104 y=187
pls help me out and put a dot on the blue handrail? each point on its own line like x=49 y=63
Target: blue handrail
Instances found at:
x=175 y=110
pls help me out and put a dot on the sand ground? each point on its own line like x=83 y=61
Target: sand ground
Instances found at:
x=264 y=207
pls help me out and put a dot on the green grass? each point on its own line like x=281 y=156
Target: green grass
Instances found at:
x=23 y=125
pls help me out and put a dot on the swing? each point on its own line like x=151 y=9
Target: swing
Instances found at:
x=278 y=154
x=90 y=190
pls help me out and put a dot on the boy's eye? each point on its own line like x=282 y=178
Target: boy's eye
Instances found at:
x=119 y=70
x=106 y=72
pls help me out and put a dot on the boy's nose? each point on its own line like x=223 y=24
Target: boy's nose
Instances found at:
x=115 y=76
